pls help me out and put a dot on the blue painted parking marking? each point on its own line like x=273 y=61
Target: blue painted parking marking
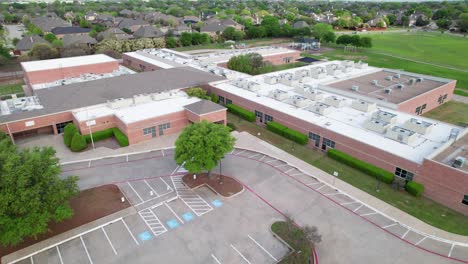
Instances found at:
x=217 y=203
x=172 y=223
x=188 y=217
x=145 y=236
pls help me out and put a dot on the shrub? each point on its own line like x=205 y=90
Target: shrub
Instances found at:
x=288 y=133
x=214 y=98
x=276 y=127
x=370 y=169
x=231 y=126
x=99 y=135
x=239 y=111
x=414 y=188
x=78 y=143
x=68 y=132
x=120 y=137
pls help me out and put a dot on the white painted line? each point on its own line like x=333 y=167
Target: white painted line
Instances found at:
x=232 y=151
x=89 y=164
x=59 y=254
x=313 y=183
x=175 y=170
x=281 y=165
x=358 y=208
x=330 y=194
x=154 y=191
x=162 y=195
x=167 y=185
x=216 y=259
x=135 y=192
x=123 y=193
x=451 y=248
x=32 y=260
x=289 y=170
x=108 y=239
x=127 y=158
x=86 y=249
x=162 y=150
x=262 y=158
x=349 y=202
x=403 y=236
x=238 y=252
x=422 y=239
x=320 y=187
x=254 y=155
x=266 y=251
x=297 y=174
x=369 y=214
x=172 y=211
x=387 y=226
x=130 y=232
x=241 y=152
x=273 y=160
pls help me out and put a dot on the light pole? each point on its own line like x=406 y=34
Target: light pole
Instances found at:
x=221 y=170
x=91 y=123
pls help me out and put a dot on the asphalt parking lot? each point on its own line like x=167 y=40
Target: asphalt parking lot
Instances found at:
x=178 y=225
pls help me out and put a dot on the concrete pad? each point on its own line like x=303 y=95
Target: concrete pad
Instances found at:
x=436 y=246
x=73 y=252
x=460 y=253
x=48 y=256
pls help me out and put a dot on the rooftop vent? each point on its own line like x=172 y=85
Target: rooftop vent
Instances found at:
x=388 y=90
x=355 y=88
x=375 y=82
x=398 y=76
x=389 y=78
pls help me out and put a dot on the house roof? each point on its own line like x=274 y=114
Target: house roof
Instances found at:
x=114 y=32
x=148 y=32
x=70 y=30
x=300 y=24
x=68 y=97
x=204 y=107
x=46 y=24
x=129 y=22
x=27 y=42
x=69 y=40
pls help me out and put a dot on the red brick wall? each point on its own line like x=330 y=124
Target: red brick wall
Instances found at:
x=44 y=76
x=276 y=59
x=138 y=64
x=216 y=116
x=444 y=184
x=429 y=98
x=102 y=123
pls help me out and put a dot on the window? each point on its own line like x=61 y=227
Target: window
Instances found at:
x=423 y=107
x=315 y=138
x=327 y=143
x=228 y=101
x=287 y=59
x=61 y=126
x=163 y=127
x=399 y=172
x=149 y=131
x=465 y=200
x=259 y=116
x=221 y=99
x=445 y=96
x=268 y=118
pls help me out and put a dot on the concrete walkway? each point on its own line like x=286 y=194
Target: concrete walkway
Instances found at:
x=459 y=98
x=247 y=141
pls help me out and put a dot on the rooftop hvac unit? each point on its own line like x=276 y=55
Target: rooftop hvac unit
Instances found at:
x=412 y=81
x=389 y=78
x=355 y=88
x=398 y=76
x=400 y=86
x=388 y=90
x=419 y=79
x=458 y=162
x=375 y=82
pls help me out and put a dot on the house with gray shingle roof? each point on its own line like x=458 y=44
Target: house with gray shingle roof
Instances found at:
x=300 y=24
x=148 y=32
x=113 y=33
x=26 y=44
x=72 y=40
x=46 y=24
x=132 y=24
x=218 y=26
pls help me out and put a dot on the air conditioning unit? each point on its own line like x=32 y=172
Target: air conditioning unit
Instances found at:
x=398 y=76
x=355 y=88
x=419 y=79
x=388 y=90
x=412 y=81
x=375 y=82
x=389 y=78
x=400 y=86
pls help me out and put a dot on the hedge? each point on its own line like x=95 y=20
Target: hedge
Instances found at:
x=78 y=143
x=414 y=188
x=239 y=111
x=379 y=173
x=107 y=133
x=68 y=132
x=288 y=133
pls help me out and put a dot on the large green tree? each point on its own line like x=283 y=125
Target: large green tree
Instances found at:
x=31 y=192
x=202 y=145
x=321 y=29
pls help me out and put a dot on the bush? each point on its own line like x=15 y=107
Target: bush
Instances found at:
x=370 y=169
x=214 y=98
x=414 y=188
x=288 y=133
x=231 y=126
x=239 y=111
x=121 y=138
x=68 y=132
x=78 y=143
x=100 y=135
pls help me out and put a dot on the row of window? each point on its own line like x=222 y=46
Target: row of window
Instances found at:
x=152 y=130
x=263 y=118
x=420 y=109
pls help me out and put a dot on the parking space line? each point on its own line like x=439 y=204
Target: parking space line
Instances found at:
x=422 y=239
x=330 y=194
x=390 y=225
x=110 y=242
x=135 y=192
x=403 y=236
x=59 y=254
x=130 y=232
x=358 y=208
x=167 y=185
x=451 y=248
x=238 y=252
x=216 y=259
x=369 y=214
x=320 y=187
x=172 y=211
x=297 y=174
x=162 y=151
x=289 y=170
x=254 y=155
x=32 y=260
x=86 y=249
x=273 y=160
x=349 y=203
x=281 y=165
x=262 y=158
x=241 y=152
x=178 y=166
x=154 y=191
x=266 y=251
x=313 y=183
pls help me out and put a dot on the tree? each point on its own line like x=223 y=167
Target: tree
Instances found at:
x=320 y=29
x=15 y=41
x=272 y=26
x=343 y=39
x=329 y=37
x=341 y=23
x=202 y=145
x=420 y=21
x=57 y=43
x=50 y=37
x=197 y=92
x=68 y=132
x=186 y=39
x=256 y=32
x=228 y=33
x=443 y=23
x=311 y=234
x=463 y=22
x=33 y=194
x=171 y=42
x=391 y=19
x=43 y=51
x=365 y=42
x=405 y=21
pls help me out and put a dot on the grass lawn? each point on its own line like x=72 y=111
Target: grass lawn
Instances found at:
x=451 y=112
x=11 y=88
x=421 y=208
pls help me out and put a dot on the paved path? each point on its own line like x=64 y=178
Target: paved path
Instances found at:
x=459 y=98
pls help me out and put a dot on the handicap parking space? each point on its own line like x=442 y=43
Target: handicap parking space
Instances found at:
x=73 y=251
x=167 y=216
x=138 y=228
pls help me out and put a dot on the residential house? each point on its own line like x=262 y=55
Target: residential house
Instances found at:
x=78 y=40
x=60 y=32
x=69 y=16
x=160 y=18
x=190 y=20
x=46 y=24
x=25 y=44
x=91 y=16
x=148 y=32
x=127 y=13
x=178 y=30
x=113 y=33
x=214 y=26
x=300 y=24
x=132 y=24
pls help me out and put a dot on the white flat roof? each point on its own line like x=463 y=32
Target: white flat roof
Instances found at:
x=30 y=66
x=155 y=62
x=345 y=120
